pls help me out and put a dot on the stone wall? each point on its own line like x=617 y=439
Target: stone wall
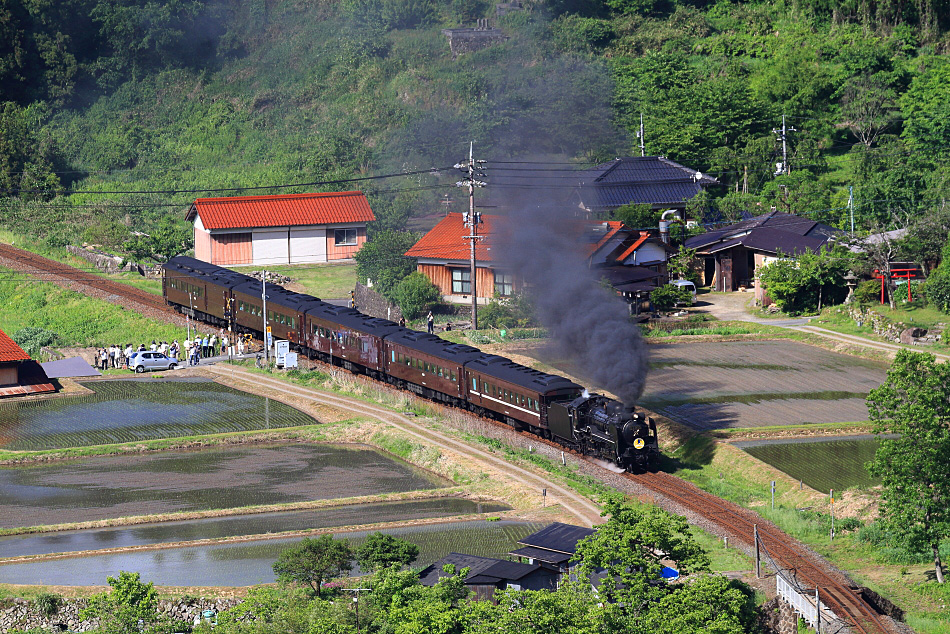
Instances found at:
x=103 y=261
x=369 y=302
x=19 y=614
x=776 y=616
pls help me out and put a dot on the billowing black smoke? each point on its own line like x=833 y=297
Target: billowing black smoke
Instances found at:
x=589 y=324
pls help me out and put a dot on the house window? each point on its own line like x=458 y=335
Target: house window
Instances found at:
x=344 y=237
x=504 y=284
x=461 y=281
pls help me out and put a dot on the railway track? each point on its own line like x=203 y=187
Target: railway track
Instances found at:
x=36 y=265
x=833 y=589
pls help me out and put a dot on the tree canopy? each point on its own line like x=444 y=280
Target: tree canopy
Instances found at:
x=313 y=561
x=914 y=404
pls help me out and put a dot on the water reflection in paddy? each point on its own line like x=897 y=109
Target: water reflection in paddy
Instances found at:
x=250 y=563
x=130 y=410
x=118 y=537
x=213 y=478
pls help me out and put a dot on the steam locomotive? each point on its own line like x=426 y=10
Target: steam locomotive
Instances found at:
x=547 y=405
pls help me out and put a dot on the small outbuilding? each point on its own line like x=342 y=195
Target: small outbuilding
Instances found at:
x=20 y=375
x=553 y=546
x=281 y=229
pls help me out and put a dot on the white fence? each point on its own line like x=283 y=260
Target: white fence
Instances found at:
x=805 y=606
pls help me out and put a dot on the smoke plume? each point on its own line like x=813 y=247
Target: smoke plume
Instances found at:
x=589 y=325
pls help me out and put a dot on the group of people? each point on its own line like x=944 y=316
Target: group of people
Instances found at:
x=202 y=347
x=116 y=356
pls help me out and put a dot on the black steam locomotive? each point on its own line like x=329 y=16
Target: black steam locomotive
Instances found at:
x=547 y=405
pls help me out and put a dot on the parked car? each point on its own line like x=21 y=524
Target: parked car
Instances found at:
x=145 y=361
x=688 y=286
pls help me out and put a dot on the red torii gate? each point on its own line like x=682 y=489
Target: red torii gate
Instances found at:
x=897 y=274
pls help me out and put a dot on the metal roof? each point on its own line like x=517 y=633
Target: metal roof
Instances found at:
x=431 y=344
x=282 y=210
x=558 y=537
x=773 y=232
x=541 y=554
x=507 y=370
x=482 y=570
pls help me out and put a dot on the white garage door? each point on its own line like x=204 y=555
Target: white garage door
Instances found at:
x=270 y=247
x=308 y=245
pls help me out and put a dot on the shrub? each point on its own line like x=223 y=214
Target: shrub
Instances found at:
x=937 y=289
x=868 y=292
x=415 y=294
x=33 y=338
x=48 y=604
x=667 y=296
x=507 y=312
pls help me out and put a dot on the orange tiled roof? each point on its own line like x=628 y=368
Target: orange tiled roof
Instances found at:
x=282 y=210
x=446 y=240
x=9 y=350
x=644 y=236
x=613 y=226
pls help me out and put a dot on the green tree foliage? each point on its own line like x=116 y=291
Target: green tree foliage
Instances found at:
x=914 y=403
x=130 y=607
x=630 y=549
x=383 y=260
x=33 y=338
x=807 y=282
x=313 y=561
x=571 y=609
x=514 y=311
x=383 y=551
x=668 y=296
x=415 y=294
x=682 y=266
x=709 y=603
x=937 y=288
x=26 y=158
x=168 y=239
x=637 y=216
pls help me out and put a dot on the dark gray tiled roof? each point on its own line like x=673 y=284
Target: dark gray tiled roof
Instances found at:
x=773 y=232
x=482 y=570
x=651 y=180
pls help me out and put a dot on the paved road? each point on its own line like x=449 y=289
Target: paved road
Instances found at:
x=735 y=307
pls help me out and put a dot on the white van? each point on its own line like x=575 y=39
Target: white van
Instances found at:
x=687 y=285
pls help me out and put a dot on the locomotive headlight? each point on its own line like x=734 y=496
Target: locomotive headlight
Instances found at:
x=638 y=443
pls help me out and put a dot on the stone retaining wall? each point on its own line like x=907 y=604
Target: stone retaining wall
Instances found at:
x=19 y=614
x=369 y=302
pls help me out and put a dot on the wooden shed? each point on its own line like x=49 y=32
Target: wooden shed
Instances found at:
x=281 y=229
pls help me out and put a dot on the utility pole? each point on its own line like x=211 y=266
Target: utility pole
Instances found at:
x=472 y=219
x=264 y=313
x=643 y=151
x=783 y=137
x=356 y=601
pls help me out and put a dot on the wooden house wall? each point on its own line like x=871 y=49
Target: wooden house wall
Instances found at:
x=335 y=252
x=441 y=276
x=9 y=374
x=202 y=245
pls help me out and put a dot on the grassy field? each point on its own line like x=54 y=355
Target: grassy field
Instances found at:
x=326 y=281
x=79 y=320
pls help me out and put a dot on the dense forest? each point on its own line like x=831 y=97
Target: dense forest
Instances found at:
x=116 y=115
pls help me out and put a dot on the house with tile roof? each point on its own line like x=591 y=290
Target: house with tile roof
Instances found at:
x=281 y=229
x=639 y=180
x=486 y=575
x=20 y=375
x=732 y=254
x=634 y=260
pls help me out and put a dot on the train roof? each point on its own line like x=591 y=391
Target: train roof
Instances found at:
x=436 y=346
x=353 y=319
x=507 y=370
x=278 y=295
x=199 y=270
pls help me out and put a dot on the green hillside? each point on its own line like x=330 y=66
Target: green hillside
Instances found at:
x=116 y=115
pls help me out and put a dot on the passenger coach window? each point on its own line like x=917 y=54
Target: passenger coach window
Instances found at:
x=474 y=384
x=454 y=378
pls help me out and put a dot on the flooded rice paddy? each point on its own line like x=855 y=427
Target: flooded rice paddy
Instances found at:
x=130 y=410
x=249 y=563
x=822 y=464
x=757 y=383
x=258 y=524
x=106 y=487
